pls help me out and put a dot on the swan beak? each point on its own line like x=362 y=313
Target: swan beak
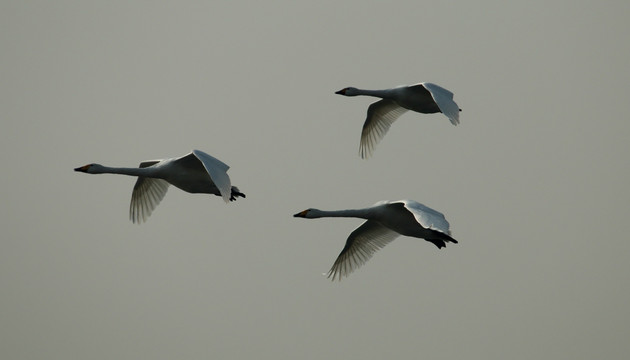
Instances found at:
x=341 y=92
x=82 y=168
x=301 y=214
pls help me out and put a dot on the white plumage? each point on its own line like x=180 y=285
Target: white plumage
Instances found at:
x=195 y=172
x=386 y=220
x=424 y=98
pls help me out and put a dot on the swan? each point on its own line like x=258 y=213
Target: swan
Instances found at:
x=425 y=97
x=195 y=172
x=385 y=221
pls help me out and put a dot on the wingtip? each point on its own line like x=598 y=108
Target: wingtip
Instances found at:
x=365 y=152
x=330 y=275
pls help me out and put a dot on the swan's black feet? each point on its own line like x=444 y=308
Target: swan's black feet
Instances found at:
x=235 y=194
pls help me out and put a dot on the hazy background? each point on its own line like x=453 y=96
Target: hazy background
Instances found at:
x=534 y=180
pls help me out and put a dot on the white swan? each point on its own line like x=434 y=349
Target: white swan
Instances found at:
x=385 y=221
x=426 y=98
x=195 y=172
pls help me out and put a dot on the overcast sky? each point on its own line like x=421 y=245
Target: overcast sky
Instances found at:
x=534 y=181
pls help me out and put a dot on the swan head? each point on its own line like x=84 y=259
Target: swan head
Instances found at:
x=308 y=213
x=90 y=168
x=349 y=91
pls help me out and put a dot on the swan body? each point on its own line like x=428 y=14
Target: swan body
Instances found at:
x=426 y=98
x=386 y=220
x=195 y=172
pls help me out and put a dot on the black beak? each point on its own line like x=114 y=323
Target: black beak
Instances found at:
x=341 y=92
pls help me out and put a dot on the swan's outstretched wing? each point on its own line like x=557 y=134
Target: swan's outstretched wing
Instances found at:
x=217 y=170
x=444 y=100
x=380 y=116
x=362 y=243
x=147 y=194
x=427 y=217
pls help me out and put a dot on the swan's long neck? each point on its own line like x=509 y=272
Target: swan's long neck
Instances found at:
x=353 y=213
x=385 y=94
x=148 y=171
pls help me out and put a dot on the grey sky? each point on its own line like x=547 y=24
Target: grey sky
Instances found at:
x=533 y=181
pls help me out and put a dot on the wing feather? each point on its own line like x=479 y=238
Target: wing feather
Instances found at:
x=218 y=173
x=444 y=100
x=147 y=194
x=362 y=243
x=427 y=217
x=380 y=117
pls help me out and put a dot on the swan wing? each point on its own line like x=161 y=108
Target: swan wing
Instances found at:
x=217 y=170
x=380 y=116
x=427 y=217
x=147 y=194
x=444 y=100
x=362 y=243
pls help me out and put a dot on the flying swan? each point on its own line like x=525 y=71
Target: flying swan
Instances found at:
x=426 y=98
x=195 y=172
x=385 y=221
